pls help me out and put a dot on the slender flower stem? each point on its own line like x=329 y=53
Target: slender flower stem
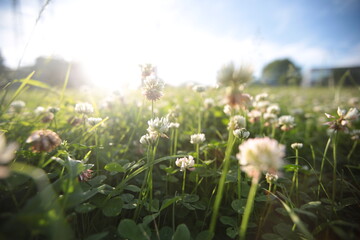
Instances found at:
x=322 y=164
x=183 y=183
x=295 y=179
x=334 y=170
x=220 y=190
x=248 y=207
x=351 y=151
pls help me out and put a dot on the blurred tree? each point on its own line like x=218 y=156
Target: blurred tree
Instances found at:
x=281 y=72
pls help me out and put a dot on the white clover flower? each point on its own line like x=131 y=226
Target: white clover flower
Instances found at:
x=260 y=155
x=286 y=122
x=254 y=115
x=341 y=112
x=296 y=145
x=197 y=138
x=270 y=117
x=185 y=163
x=209 y=103
x=262 y=105
x=227 y=109
x=174 y=125
x=39 y=110
x=84 y=108
x=198 y=88
x=93 y=120
x=271 y=177
x=7 y=153
x=148 y=139
x=153 y=87
x=158 y=127
x=17 y=106
x=274 y=109
x=236 y=122
x=355 y=134
x=261 y=97
x=241 y=133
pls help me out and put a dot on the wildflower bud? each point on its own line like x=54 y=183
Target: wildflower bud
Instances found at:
x=241 y=133
x=197 y=138
x=17 y=106
x=271 y=178
x=74 y=121
x=185 y=163
x=48 y=117
x=85 y=175
x=296 y=146
x=44 y=141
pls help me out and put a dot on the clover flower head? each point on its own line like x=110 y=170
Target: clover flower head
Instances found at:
x=39 y=110
x=254 y=115
x=93 y=120
x=17 y=106
x=286 y=122
x=344 y=120
x=227 y=110
x=53 y=110
x=273 y=108
x=86 y=175
x=260 y=155
x=197 y=138
x=48 y=117
x=158 y=126
x=84 y=108
x=209 y=103
x=355 y=134
x=261 y=97
x=44 y=140
x=185 y=162
x=271 y=177
x=174 y=125
x=296 y=146
x=153 y=87
x=241 y=133
x=236 y=122
x=148 y=139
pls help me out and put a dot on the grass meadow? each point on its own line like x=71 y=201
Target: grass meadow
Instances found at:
x=90 y=165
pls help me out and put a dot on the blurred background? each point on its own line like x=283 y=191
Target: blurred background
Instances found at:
x=285 y=42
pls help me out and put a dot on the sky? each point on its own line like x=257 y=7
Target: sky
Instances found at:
x=188 y=40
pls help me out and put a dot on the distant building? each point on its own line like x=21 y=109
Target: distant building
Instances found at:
x=332 y=76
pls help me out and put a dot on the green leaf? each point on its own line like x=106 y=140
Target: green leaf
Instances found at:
x=34 y=83
x=113 y=207
x=205 y=235
x=148 y=219
x=228 y=221
x=271 y=236
x=97 y=236
x=132 y=188
x=284 y=230
x=166 y=233
x=181 y=233
x=167 y=202
x=313 y=204
x=231 y=232
x=127 y=197
x=85 y=208
x=238 y=205
x=191 y=198
x=114 y=167
x=128 y=229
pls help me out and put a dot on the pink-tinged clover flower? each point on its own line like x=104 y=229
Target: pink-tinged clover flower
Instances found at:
x=344 y=119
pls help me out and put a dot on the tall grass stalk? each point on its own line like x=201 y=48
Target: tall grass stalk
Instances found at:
x=322 y=165
x=219 y=194
x=295 y=178
x=334 y=170
x=248 y=208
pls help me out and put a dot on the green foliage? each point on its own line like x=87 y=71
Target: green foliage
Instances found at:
x=281 y=72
